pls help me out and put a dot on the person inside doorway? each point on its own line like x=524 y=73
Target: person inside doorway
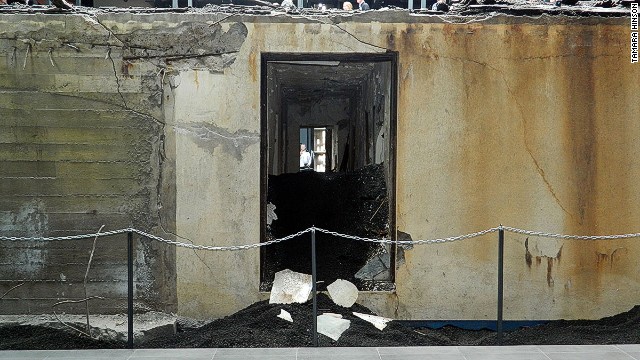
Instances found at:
x=305 y=158
x=362 y=5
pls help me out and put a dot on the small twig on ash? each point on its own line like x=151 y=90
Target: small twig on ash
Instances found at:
x=73 y=302
x=26 y=56
x=86 y=275
x=10 y=290
x=381 y=203
x=51 y=57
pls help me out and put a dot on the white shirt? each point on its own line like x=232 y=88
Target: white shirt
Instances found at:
x=305 y=159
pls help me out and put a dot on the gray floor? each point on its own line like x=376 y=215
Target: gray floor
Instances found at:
x=542 y=352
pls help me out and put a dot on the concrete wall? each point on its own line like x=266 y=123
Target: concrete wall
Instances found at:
x=81 y=142
x=520 y=121
x=527 y=125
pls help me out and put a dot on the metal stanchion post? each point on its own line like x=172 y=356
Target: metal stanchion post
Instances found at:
x=130 y=289
x=313 y=286
x=500 y=283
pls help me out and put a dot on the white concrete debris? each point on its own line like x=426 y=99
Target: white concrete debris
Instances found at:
x=337 y=316
x=332 y=326
x=343 y=293
x=378 y=321
x=290 y=287
x=271 y=213
x=284 y=315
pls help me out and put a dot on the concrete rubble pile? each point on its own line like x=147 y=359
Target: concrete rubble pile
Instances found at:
x=293 y=287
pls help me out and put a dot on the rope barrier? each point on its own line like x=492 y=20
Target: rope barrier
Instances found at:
x=573 y=237
x=328 y=232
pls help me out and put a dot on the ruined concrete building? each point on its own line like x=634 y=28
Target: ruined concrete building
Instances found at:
x=179 y=123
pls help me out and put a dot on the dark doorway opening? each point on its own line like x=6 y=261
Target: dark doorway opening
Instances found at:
x=337 y=111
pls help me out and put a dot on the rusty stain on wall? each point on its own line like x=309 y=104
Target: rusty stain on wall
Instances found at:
x=253 y=66
x=602 y=258
x=550 y=261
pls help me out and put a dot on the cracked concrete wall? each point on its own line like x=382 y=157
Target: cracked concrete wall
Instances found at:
x=528 y=122
x=527 y=125
x=81 y=142
x=513 y=121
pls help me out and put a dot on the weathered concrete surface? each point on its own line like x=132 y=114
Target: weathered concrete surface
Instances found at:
x=530 y=126
x=510 y=121
x=81 y=138
x=520 y=121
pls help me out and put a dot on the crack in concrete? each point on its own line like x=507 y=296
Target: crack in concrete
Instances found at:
x=331 y=23
x=527 y=146
x=209 y=136
x=115 y=74
x=111 y=33
x=561 y=56
x=147 y=116
x=357 y=39
x=115 y=71
x=189 y=240
x=232 y=138
x=178 y=57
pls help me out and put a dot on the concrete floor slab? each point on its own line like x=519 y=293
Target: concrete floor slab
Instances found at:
x=519 y=356
x=635 y=355
x=146 y=354
x=23 y=354
x=423 y=357
x=114 y=354
x=589 y=356
x=578 y=348
x=543 y=352
x=257 y=351
x=419 y=350
x=520 y=349
x=629 y=347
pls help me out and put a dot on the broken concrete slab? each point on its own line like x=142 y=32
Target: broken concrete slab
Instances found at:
x=378 y=321
x=284 y=315
x=271 y=213
x=343 y=292
x=337 y=316
x=376 y=266
x=290 y=287
x=332 y=326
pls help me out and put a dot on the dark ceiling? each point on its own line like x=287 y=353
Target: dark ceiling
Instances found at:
x=306 y=80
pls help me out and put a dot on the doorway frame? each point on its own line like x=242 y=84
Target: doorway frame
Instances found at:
x=389 y=56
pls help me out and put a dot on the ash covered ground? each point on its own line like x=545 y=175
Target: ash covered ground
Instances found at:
x=257 y=326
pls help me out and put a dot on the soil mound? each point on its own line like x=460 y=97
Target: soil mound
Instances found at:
x=33 y=337
x=619 y=329
x=258 y=326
